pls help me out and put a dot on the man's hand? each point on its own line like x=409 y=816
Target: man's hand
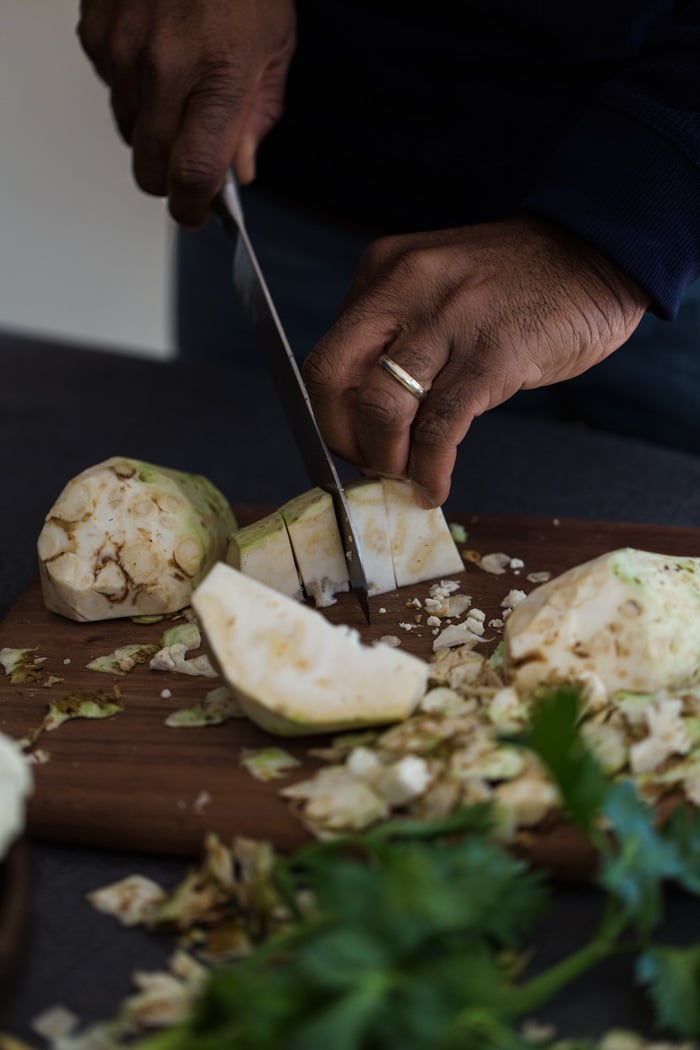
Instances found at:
x=474 y=314
x=195 y=86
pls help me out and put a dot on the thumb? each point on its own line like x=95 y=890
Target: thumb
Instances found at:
x=244 y=158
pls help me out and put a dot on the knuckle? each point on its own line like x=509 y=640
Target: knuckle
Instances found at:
x=90 y=35
x=215 y=99
x=406 y=266
x=195 y=174
x=217 y=110
x=380 y=252
x=320 y=373
x=161 y=62
x=383 y=409
x=435 y=430
x=217 y=62
x=419 y=263
x=123 y=45
x=489 y=372
x=215 y=118
x=153 y=146
x=219 y=72
x=153 y=63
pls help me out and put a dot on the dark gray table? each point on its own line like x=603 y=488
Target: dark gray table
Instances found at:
x=63 y=409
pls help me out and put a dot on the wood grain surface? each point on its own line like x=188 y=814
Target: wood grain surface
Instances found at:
x=132 y=782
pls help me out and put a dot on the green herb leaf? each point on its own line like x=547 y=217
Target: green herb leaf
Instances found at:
x=638 y=861
x=554 y=736
x=683 y=830
x=672 y=976
x=343 y=1024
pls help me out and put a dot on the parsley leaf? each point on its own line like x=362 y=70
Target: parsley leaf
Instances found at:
x=683 y=829
x=403 y=947
x=554 y=736
x=638 y=861
x=672 y=976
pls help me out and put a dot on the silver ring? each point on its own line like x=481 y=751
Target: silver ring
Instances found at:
x=403 y=377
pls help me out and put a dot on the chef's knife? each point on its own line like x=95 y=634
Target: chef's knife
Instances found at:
x=250 y=284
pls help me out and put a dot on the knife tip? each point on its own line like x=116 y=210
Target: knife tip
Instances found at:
x=363 y=599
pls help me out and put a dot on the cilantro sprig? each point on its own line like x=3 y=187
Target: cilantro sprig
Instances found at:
x=414 y=935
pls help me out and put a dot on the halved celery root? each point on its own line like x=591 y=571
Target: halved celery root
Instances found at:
x=630 y=618
x=129 y=538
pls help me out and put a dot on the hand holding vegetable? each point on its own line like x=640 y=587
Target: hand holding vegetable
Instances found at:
x=474 y=314
x=195 y=86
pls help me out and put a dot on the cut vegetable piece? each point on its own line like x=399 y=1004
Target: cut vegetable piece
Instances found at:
x=268 y=763
x=132 y=900
x=217 y=707
x=313 y=532
x=173 y=658
x=629 y=616
x=422 y=547
x=186 y=634
x=21 y=666
x=400 y=543
x=371 y=526
x=123 y=659
x=87 y=704
x=263 y=550
x=128 y=538
x=16 y=784
x=294 y=672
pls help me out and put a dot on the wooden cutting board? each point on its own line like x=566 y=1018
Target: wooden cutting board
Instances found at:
x=132 y=782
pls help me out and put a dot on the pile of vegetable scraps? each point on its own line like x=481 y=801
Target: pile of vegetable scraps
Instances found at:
x=414 y=934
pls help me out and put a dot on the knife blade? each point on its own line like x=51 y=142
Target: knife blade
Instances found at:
x=250 y=284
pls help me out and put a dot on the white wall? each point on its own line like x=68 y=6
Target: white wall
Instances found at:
x=84 y=255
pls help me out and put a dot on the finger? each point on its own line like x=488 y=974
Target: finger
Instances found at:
x=205 y=146
x=373 y=265
x=385 y=409
x=124 y=100
x=125 y=37
x=160 y=113
x=337 y=367
x=244 y=159
x=263 y=112
x=93 y=30
x=112 y=51
x=473 y=380
x=437 y=431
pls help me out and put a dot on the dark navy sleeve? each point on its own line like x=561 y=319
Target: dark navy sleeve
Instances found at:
x=626 y=178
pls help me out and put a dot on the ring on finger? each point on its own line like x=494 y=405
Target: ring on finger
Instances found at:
x=407 y=381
